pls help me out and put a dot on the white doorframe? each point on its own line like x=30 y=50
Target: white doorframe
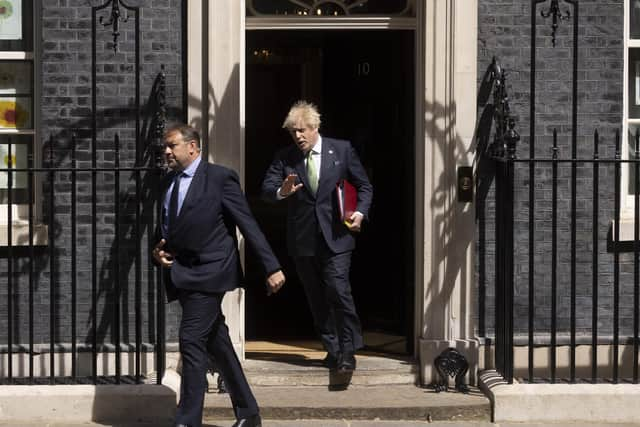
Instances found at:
x=215 y=54
x=445 y=77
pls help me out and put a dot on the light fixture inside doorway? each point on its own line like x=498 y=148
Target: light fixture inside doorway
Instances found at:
x=330 y=8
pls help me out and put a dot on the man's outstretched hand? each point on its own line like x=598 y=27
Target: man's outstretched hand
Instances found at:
x=289 y=185
x=274 y=282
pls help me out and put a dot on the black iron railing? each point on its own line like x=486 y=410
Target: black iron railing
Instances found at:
x=505 y=283
x=84 y=304
x=562 y=264
x=23 y=361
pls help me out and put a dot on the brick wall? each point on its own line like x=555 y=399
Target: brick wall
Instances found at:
x=505 y=32
x=65 y=107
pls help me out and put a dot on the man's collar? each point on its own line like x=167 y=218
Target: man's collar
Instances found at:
x=191 y=169
x=317 y=148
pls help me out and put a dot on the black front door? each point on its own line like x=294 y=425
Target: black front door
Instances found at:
x=363 y=84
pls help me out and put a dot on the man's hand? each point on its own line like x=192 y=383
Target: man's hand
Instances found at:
x=163 y=257
x=354 y=223
x=274 y=282
x=289 y=185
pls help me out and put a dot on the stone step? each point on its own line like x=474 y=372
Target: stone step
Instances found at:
x=292 y=370
x=389 y=402
x=298 y=387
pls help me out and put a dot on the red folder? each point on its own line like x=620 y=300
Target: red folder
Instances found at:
x=347 y=199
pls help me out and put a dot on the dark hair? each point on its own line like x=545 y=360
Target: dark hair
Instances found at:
x=187 y=132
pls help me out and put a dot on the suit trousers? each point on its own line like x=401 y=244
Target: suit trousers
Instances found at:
x=325 y=278
x=202 y=332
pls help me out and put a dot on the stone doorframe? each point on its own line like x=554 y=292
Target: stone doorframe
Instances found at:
x=446 y=300
x=446 y=63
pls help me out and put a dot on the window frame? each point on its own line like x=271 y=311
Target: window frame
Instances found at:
x=19 y=210
x=627 y=199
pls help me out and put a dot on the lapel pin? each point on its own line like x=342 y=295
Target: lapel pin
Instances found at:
x=330 y=151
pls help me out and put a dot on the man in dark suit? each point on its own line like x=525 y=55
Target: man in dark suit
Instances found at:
x=305 y=175
x=202 y=206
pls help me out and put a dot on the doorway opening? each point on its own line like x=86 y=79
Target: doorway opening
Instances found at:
x=363 y=83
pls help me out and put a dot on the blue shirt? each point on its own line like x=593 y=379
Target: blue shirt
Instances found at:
x=185 y=181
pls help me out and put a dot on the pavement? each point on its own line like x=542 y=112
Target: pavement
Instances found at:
x=295 y=390
x=336 y=423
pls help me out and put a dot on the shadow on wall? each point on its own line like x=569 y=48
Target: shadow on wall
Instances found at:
x=222 y=111
x=454 y=233
x=52 y=264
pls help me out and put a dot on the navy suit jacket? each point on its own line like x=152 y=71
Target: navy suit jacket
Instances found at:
x=311 y=216
x=203 y=240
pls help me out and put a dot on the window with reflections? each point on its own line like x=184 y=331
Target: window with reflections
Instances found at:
x=15 y=152
x=16 y=25
x=17 y=87
x=330 y=8
x=634 y=19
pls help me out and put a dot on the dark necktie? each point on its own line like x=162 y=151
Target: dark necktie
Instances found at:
x=173 y=201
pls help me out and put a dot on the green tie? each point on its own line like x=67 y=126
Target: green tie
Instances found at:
x=312 y=173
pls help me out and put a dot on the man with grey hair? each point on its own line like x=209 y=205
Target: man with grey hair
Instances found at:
x=201 y=208
x=304 y=175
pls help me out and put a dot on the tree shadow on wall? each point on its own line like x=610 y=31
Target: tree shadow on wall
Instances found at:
x=484 y=178
x=115 y=270
x=57 y=154
x=453 y=221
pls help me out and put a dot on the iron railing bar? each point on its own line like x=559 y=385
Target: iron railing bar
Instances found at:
x=585 y=160
x=509 y=256
x=594 y=262
x=636 y=255
x=70 y=169
x=94 y=216
x=30 y=187
x=554 y=256
x=74 y=267
x=532 y=153
x=482 y=264
x=616 y=263
x=160 y=304
x=531 y=290
x=499 y=270
x=574 y=129
x=52 y=258
x=138 y=255
x=204 y=88
x=10 y=261
x=116 y=259
x=500 y=298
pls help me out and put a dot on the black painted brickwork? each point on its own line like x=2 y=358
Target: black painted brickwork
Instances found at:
x=65 y=106
x=504 y=31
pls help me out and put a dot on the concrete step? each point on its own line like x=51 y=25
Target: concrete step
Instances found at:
x=296 y=370
x=296 y=386
x=389 y=402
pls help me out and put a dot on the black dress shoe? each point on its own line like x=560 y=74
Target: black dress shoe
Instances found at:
x=347 y=363
x=330 y=361
x=253 y=421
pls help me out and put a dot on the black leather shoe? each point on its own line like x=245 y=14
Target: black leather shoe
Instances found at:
x=347 y=363
x=330 y=361
x=253 y=421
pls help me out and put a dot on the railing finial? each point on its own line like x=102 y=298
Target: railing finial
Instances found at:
x=556 y=14
x=114 y=21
